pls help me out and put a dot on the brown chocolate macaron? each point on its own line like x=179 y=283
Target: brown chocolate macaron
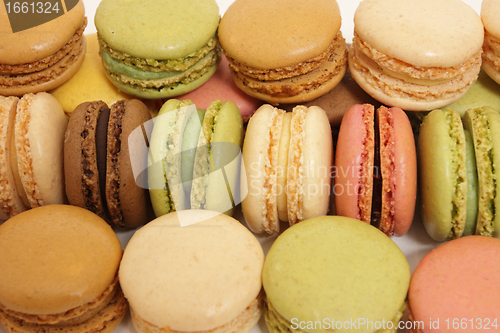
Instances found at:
x=58 y=272
x=98 y=165
x=288 y=51
x=35 y=58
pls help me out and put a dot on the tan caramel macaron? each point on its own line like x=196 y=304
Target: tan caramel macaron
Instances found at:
x=59 y=270
x=418 y=55
x=490 y=11
x=42 y=57
x=193 y=271
x=284 y=51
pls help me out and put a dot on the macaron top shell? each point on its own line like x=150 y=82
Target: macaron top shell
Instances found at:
x=40 y=41
x=55 y=258
x=192 y=278
x=490 y=11
x=457 y=280
x=421 y=33
x=270 y=34
x=157 y=29
x=335 y=267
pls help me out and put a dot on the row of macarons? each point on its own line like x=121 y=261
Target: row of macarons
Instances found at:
x=63 y=267
x=271 y=56
x=127 y=167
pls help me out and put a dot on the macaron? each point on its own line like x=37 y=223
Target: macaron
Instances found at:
x=456 y=173
x=376 y=168
x=41 y=57
x=284 y=51
x=31 y=152
x=98 y=161
x=333 y=273
x=59 y=272
x=288 y=159
x=336 y=102
x=455 y=287
x=221 y=86
x=416 y=55
x=156 y=49
x=194 y=157
x=490 y=9
x=198 y=278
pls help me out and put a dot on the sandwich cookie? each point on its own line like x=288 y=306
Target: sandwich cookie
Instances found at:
x=59 y=272
x=416 y=55
x=452 y=277
x=284 y=51
x=490 y=9
x=195 y=156
x=288 y=161
x=329 y=273
x=31 y=152
x=204 y=277
x=156 y=49
x=457 y=173
x=376 y=168
x=43 y=57
x=98 y=156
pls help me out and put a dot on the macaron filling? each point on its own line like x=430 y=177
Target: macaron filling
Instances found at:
x=472 y=186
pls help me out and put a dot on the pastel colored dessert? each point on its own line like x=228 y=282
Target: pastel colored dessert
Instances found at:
x=221 y=86
x=452 y=277
x=325 y=273
x=59 y=272
x=284 y=51
x=200 y=278
x=31 y=152
x=146 y=61
x=426 y=58
x=490 y=9
x=456 y=173
x=194 y=157
x=40 y=58
x=288 y=159
x=483 y=92
x=376 y=168
x=89 y=83
x=338 y=100
x=98 y=161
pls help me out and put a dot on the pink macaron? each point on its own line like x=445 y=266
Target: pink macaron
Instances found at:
x=376 y=168
x=221 y=86
x=456 y=287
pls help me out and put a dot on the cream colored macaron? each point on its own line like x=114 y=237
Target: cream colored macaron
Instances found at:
x=193 y=271
x=490 y=12
x=416 y=55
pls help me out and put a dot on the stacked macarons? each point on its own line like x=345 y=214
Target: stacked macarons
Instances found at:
x=376 y=168
x=194 y=157
x=31 y=152
x=157 y=49
x=457 y=173
x=40 y=57
x=288 y=160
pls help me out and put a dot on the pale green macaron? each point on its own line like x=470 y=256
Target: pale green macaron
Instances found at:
x=158 y=49
x=334 y=273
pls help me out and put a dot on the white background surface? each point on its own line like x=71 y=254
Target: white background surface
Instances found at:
x=414 y=245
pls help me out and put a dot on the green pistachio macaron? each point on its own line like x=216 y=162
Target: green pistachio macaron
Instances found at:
x=334 y=273
x=457 y=175
x=158 y=49
x=194 y=157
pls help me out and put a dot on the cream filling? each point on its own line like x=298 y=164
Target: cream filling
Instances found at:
x=407 y=78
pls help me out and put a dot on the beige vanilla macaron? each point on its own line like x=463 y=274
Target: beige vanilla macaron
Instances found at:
x=58 y=272
x=490 y=12
x=193 y=271
x=284 y=51
x=418 y=55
